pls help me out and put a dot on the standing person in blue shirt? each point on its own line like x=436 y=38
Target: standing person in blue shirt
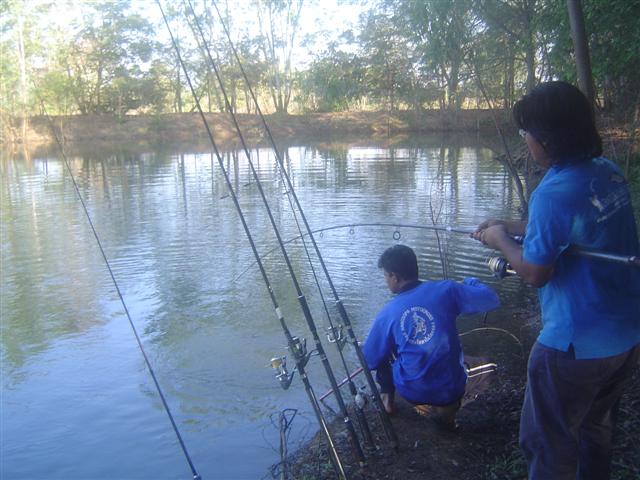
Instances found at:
x=590 y=338
x=413 y=344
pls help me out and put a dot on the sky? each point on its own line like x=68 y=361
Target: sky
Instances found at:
x=324 y=20
x=321 y=22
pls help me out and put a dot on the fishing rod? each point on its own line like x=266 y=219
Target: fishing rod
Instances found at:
x=296 y=346
x=396 y=234
x=301 y=297
x=501 y=267
x=334 y=335
x=174 y=425
x=497 y=265
x=384 y=418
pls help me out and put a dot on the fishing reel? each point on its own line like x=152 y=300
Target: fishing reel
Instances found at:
x=361 y=398
x=279 y=364
x=298 y=348
x=335 y=335
x=500 y=267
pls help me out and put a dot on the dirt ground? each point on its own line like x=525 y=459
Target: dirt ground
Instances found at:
x=484 y=447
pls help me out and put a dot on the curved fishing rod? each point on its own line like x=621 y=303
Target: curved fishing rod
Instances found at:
x=334 y=332
x=384 y=418
x=494 y=265
x=396 y=234
x=165 y=405
x=296 y=347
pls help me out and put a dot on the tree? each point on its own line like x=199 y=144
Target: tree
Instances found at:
x=279 y=22
x=614 y=44
x=20 y=46
x=107 y=56
x=333 y=82
x=515 y=21
x=442 y=32
x=581 y=47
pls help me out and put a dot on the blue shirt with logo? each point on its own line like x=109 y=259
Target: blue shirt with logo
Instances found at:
x=591 y=304
x=418 y=328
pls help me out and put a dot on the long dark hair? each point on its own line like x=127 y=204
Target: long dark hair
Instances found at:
x=561 y=119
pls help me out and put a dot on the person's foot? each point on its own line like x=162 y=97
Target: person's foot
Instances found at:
x=387 y=402
x=423 y=410
x=442 y=418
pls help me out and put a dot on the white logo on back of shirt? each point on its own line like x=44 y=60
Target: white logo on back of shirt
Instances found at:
x=417 y=325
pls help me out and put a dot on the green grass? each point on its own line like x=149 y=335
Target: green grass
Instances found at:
x=510 y=466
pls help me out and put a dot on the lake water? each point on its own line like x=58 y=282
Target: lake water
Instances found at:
x=78 y=401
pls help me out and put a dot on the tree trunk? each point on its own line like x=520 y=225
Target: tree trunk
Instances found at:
x=178 y=98
x=530 y=46
x=508 y=80
x=24 y=95
x=453 y=83
x=581 y=47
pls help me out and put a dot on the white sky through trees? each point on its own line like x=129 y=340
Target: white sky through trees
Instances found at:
x=321 y=22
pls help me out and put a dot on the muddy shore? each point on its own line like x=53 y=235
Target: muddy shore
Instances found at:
x=485 y=447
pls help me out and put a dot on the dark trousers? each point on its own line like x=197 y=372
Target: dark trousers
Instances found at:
x=569 y=413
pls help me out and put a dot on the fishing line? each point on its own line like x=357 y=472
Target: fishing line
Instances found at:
x=494 y=263
x=297 y=348
x=351 y=226
x=301 y=297
x=495 y=329
x=334 y=333
x=195 y=474
x=384 y=418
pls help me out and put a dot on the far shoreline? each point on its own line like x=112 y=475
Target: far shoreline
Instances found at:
x=110 y=131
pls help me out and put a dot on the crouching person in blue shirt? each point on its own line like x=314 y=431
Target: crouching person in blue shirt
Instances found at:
x=413 y=344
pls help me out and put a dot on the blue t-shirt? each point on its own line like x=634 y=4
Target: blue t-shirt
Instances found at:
x=591 y=304
x=418 y=327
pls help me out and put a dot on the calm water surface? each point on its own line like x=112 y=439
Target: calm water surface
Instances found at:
x=77 y=399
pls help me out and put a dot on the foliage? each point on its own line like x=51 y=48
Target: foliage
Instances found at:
x=112 y=57
x=279 y=22
x=441 y=32
x=333 y=83
x=511 y=465
x=388 y=58
x=104 y=61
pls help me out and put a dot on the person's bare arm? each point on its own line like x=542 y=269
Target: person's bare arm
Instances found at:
x=513 y=227
x=498 y=237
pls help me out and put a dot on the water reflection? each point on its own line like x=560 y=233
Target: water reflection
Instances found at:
x=184 y=266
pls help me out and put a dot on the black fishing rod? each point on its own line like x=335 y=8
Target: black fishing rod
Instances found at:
x=384 y=418
x=165 y=405
x=295 y=345
x=334 y=335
